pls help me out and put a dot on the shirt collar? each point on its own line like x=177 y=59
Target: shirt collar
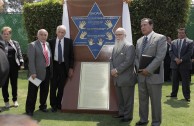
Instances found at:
x=60 y=39
x=149 y=35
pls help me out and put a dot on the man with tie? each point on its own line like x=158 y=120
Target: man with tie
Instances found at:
x=180 y=52
x=63 y=62
x=150 y=82
x=40 y=66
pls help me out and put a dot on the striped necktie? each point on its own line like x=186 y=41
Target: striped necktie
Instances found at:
x=45 y=52
x=144 y=44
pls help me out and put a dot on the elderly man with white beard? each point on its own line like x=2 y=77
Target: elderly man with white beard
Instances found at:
x=123 y=73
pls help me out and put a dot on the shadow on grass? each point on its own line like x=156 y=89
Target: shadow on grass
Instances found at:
x=100 y=119
x=175 y=103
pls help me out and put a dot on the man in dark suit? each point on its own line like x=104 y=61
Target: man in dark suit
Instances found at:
x=167 y=70
x=149 y=82
x=63 y=62
x=123 y=72
x=180 y=52
x=40 y=66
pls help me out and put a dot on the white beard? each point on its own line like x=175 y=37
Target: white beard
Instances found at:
x=119 y=45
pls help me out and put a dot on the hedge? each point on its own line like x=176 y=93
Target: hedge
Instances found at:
x=167 y=15
x=47 y=15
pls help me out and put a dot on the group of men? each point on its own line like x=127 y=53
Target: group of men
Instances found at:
x=49 y=60
x=55 y=60
x=126 y=67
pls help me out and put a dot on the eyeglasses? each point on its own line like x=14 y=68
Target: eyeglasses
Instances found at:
x=118 y=34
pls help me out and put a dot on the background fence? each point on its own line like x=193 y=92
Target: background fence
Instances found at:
x=15 y=21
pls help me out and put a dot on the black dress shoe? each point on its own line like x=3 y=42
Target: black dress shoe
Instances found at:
x=187 y=99
x=43 y=110
x=171 y=96
x=141 y=123
x=29 y=114
x=118 y=116
x=53 y=109
x=125 y=120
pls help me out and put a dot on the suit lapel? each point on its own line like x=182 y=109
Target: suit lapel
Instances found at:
x=40 y=46
x=54 y=45
x=184 y=45
x=150 y=41
x=116 y=54
x=140 y=45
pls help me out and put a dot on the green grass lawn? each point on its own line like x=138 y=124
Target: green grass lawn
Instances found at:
x=175 y=112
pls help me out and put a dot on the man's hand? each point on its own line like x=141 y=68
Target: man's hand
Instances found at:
x=33 y=76
x=192 y=60
x=144 y=72
x=178 y=61
x=70 y=74
x=114 y=73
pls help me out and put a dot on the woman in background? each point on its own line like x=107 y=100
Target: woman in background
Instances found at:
x=14 y=55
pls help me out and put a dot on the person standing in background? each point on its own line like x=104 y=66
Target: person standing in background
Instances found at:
x=181 y=52
x=167 y=69
x=14 y=55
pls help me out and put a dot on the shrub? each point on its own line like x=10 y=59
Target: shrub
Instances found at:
x=167 y=15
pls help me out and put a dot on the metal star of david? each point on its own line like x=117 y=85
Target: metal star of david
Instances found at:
x=95 y=30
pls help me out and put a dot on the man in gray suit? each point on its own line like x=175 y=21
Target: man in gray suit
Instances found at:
x=149 y=82
x=180 y=52
x=40 y=66
x=123 y=72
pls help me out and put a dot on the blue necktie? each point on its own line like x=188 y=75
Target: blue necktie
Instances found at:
x=144 y=44
x=59 y=52
x=179 y=48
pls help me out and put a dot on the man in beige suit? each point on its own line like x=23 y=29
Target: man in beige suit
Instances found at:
x=40 y=66
x=123 y=72
x=149 y=82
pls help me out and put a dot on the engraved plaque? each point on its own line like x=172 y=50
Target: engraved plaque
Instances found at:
x=94 y=86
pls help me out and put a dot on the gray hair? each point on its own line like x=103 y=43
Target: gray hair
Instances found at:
x=61 y=27
x=122 y=30
x=42 y=30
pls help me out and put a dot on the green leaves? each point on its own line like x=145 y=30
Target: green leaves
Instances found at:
x=46 y=14
x=167 y=15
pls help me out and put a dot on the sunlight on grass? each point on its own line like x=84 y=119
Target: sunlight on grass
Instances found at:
x=176 y=112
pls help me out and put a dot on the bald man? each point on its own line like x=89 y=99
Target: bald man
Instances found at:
x=40 y=66
x=17 y=120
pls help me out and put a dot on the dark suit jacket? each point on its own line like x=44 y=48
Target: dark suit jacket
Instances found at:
x=167 y=59
x=185 y=55
x=68 y=52
x=4 y=66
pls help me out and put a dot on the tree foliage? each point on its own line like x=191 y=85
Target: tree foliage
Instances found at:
x=167 y=15
x=46 y=15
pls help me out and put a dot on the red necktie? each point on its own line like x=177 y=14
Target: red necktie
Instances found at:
x=45 y=52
